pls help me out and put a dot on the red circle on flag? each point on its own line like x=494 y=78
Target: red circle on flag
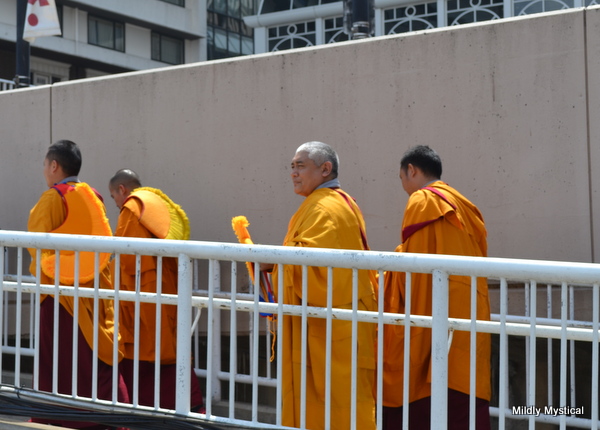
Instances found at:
x=32 y=19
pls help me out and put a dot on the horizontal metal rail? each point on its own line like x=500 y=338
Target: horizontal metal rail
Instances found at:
x=554 y=331
x=542 y=271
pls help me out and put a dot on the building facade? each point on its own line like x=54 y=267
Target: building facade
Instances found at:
x=106 y=37
x=113 y=36
x=285 y=24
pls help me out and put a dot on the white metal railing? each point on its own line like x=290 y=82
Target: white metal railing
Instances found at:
x=201 y=281
x=6 y=85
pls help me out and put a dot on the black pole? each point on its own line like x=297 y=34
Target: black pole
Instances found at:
x=360 y=19
x=23 y=51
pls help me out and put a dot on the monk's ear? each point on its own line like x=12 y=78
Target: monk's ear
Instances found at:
x=326 y=168
x=123 y=191
x=411 y=170
x=54 y=166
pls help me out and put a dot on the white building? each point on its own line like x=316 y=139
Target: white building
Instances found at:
x=109 y=36
x=285 y=24
x=113 y=36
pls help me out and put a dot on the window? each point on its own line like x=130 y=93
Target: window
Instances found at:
x=291 y=36
x=227 y=34
x=105 y=33
x=167 y=49
x=59 y=12
x=413 y=17
x=176 y=2
x=43 y=79
x=268 y=6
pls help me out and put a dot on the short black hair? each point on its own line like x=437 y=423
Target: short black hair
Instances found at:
x=425 y=158
x=68 y=156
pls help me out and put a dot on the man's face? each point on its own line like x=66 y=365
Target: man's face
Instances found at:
x=306 y=175
x=118 y=194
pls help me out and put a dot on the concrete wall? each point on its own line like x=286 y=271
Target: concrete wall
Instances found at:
x=510 y=106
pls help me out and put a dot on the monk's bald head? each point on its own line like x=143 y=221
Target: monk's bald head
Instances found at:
x=126 y=177
x=122 y=184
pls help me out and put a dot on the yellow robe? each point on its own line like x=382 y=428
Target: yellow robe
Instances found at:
x=327 y=220
x=46 y=216
x=457 y=230
x=142 y=214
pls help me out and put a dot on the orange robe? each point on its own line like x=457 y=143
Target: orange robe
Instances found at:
x=326 y=219
x=457 y=230
x=49 y=215
x=139 y=219
x=148 y=213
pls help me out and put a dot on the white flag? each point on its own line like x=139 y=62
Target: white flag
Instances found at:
x=41 y=20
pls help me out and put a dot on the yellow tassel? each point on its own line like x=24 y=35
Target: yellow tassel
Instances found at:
x=273 y=330
x=239 y=224
x=240 y=227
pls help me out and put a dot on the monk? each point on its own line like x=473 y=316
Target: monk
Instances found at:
x=437 y=220
x=149 y=213
x=327 y=218
x=71 y=206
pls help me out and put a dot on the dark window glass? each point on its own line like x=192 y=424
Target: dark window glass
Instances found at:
x=247 y=31
x=220 y=6
x=247 y=7
x=228 y=36
x=233 y=8
x=167 y=49
x=234 y=44
x=177 y=2
x=247 y=45
x=233 y=25
x=221 y=39
x=105 y=33
x=155 y=48
x=59 y=12
x=275 y=6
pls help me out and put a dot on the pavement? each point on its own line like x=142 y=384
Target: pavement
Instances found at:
x=221 y=408
x=8 y=422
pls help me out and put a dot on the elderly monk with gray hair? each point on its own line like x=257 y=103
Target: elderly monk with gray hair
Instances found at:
x=327 y=218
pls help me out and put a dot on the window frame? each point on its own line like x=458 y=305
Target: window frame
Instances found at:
x=180 y=3
x=160 y=37
x=114 y=23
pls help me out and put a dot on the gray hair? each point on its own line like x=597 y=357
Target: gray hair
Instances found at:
x=320 y=152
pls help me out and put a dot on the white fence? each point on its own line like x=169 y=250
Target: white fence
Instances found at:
x=6 y=85
x=208 y=294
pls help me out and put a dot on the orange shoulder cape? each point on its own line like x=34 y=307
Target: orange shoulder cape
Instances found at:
x=85 y=215
x=158 y=213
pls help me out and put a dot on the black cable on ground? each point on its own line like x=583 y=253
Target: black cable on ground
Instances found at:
x=15 y=403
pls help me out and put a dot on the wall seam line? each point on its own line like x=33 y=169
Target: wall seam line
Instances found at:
x=588 y=130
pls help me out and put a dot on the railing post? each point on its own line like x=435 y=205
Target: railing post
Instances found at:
x=2 y=302
x=215 y=285
x=439 y=352
x=184 y=340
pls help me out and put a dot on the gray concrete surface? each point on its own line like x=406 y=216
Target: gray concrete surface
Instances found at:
x=507 y=103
